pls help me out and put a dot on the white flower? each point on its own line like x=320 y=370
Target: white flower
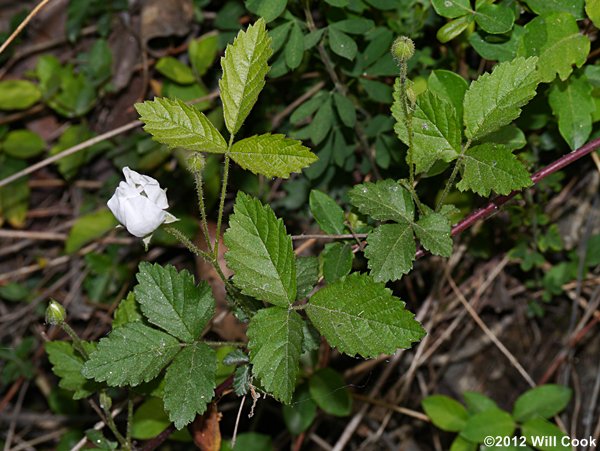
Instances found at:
x=139 y=204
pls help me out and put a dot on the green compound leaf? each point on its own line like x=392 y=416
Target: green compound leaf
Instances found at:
x=260 y=252
x=544 y=401
x=172 y=122
x=433 y=231
x=495 y=19
x=495 y=100
x=130 y=355
x=360 y=316
x=67 y=365
x=492 y=167
x=244 y=70
x=272 y=155
x=328 y=214
x=275 y=343
x=436 y=129
x=190 y=383
x=171 y=300
x=573 y=103
x=556 y=41
x=384 y=200
x=446 y=413
x=391 y=251
x=337 y=261
x=451 y=8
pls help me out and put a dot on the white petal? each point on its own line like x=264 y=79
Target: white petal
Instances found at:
x=142 y=217
x=157 y=195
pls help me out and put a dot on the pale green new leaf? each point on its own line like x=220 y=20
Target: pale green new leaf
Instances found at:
x=67 y=365
x=172 y=301
x=360 y=316
x=130 y=355
x=328 y=214
x=244 y=70
x=385 y=200
x=172 y=122
x=260 y=252
x=492 y=167
x=190 y=383
x=390 y=250
x=436 y=129
x=275 y=343
x=556 y=41
x=272 y=155
x=572 y=102
x=495 y=100
x=433 y=231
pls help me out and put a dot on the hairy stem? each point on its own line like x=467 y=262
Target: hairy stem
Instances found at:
x=202 y=208
x=452 y=178
x=222 y=200
x=77 y=342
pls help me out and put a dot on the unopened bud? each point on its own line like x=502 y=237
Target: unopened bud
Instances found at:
x=403 y=49
x=55 y=313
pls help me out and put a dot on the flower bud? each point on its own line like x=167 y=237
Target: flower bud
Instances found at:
x=55 y=313
x=403 y=49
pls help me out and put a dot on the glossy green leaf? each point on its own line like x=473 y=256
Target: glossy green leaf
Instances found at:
x=130 y=355
x=390 y=251
x=451 y=8
x=244 y=70
x=267 y=9
x=202 y=52
x=330 y=392
x=171 y=300
x=341 y=44
x=592 y=9
x=275 y=343
x=544 y=401
x=337 y=261
x=493 y=422
x=491 y=167
x=67 y=364
x=542 y=435
x=360 y=316
x=175 y=70
x=448 y=86
x=272 y=155
x=384 y=200
x=18 y=94
x=190 y=383
x=89 y=227
x=556 y=41
x=294 y=49
x=572 y=102
x=436 y=129
x=573 y=7
x=445 y=413
x=176 y=124
x=495 y=100
x=260 y=252
x=328 y=214
x=497 y=48
x=453 y=29
x=495 y=18
x=433 y=231
x=23 y=144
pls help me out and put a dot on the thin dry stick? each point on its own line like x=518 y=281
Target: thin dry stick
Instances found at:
x=292 y=106
x=237 y=422
x=17 y=409
x=23 y=24
x=511 y=358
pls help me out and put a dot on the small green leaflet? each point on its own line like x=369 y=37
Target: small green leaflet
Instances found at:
x=345 y=109
x=497 y=51
x=390 y=250
x=130 y=355
x=541 y=7
x=449 y=86
x=489 y=422
x=275 y=343
x=272 y=155
x=539 y=427
x=572 y=102
x=543 y=401
x=495 y=100
x=556 y=40
x=495 y=19
x=330 y=392
x=451 y=8
x=307 y=275
x=175 y=70
x=592 y=9
x=244 y=70
x=436 y=129
x=127 y=312
x=433 y=231
x=260 y=252
x=360 y=316
x=67 y=365
x=385 y=200
x=337 y=261
x=492 y=167
x=267 y=9
x=190 y=383
x=294 y=49
x=341 y=44
x=446 y=413
x=172 y=122
x=328 y=214
x=171 y=300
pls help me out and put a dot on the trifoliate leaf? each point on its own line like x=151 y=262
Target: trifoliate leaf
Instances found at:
x=495 y=100
x=556 y=41
x=436 y=129
x=572 y=102
x=495 y=19
x=390 y=250
x=172 y=122
x=307 y=275
x=244 y=70
x=260 y=252
x=190 y=383
x=127 y=312
x=337 y=261
x=385 y=200
x=67 y=365
x=451 y=8
x=492 y=167
x=433 y=231
x=130 y=355
x=171 y=300
x=272 y=155
x=360 y=316
x=275 y=343
x=328 y=214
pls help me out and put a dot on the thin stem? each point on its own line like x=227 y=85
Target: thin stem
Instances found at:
x=237 y=344
x=129 y=420
x=299 y=307
x=202 y=208
x=222 y=200
x=450 y=181
x=188 y=244
x=77 y=342
x=344 y=236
